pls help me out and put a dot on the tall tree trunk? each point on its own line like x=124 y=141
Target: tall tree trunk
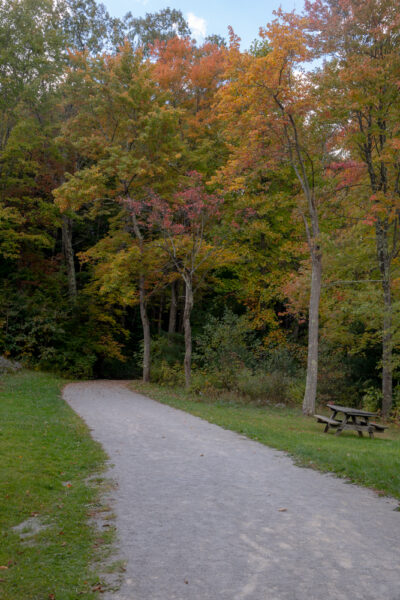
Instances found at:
x=146 y=330
x=69 y=255
x=173 y=308
x=384 y=260
x=313 y=334
x=387 y=369
x=188 y=330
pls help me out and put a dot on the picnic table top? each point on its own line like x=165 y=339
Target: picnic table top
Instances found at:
x=347 y=410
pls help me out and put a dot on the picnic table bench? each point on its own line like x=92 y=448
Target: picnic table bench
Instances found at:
x=352 y=419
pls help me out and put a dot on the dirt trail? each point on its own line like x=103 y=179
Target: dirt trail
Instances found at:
x=200 y=512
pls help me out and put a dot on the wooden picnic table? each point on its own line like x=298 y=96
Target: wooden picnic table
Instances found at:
x=352 y=419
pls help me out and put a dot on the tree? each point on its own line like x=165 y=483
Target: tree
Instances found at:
x=127 y=132
x=88 y=26
x=362 y=43
x=160 y=26
x=186 y=226
x=270 y=107
x=191 y=76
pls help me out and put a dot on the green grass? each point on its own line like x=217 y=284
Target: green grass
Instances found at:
x=47 y=455
x=373 y=463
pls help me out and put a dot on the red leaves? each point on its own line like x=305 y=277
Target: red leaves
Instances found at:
x=188 y=210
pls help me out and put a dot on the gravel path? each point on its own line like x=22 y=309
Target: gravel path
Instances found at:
x=199 y=512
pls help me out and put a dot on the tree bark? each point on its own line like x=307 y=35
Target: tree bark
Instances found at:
x=188 y=330
x=313 y=335
x=384 y=260
x=387 y=369
x=173 y=308
x=143 y=309
x=69 y=256
x=146 y=330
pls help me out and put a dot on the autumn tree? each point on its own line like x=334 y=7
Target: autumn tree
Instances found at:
x=191 y=75
x=126 y=130
x=271 y=115
x=360 y=79
x=186 y=225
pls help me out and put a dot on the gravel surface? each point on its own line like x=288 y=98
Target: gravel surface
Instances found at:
x=206 y=514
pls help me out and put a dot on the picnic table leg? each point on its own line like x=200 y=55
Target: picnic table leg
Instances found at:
x=370 y=427
x=340 y=428
x=371 y=432
x=356 y=422
x=327 y=425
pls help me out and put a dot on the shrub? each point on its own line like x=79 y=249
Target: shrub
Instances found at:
x=226 y=343
x=372 y=399
x=166 y=374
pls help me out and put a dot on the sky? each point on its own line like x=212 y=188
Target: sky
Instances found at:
x=211 y=16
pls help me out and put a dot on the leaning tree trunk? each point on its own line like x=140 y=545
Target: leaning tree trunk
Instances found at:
x=69 y=256
x=173 y=308
x=146 y=330
x=313 y=327
x=188 y=330
x=143 y=308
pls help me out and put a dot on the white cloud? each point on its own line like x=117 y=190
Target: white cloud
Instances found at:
x=198 y=25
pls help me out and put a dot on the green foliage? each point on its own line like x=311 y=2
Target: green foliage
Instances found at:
x=260 y=47
x=372 y=398
x=164 y=373
x=226 y=344
x=55 y=336
x=167 y=351
x=230 y=357
x=162 y=25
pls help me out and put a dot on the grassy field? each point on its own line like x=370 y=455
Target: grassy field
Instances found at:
x=371 y=462
x=47 y=455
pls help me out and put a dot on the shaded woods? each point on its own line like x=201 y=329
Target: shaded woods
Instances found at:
x=200 y=214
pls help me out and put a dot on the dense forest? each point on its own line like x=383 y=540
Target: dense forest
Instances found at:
x=199 y=214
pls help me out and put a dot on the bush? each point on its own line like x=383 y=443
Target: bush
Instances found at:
x=166 y=374
x=226 y=344
x=57 y=336
x=372 y=399
x=257 y=387
x=230 y=359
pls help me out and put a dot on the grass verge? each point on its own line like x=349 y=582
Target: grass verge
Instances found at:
x=49 y=490
x=373 y=463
